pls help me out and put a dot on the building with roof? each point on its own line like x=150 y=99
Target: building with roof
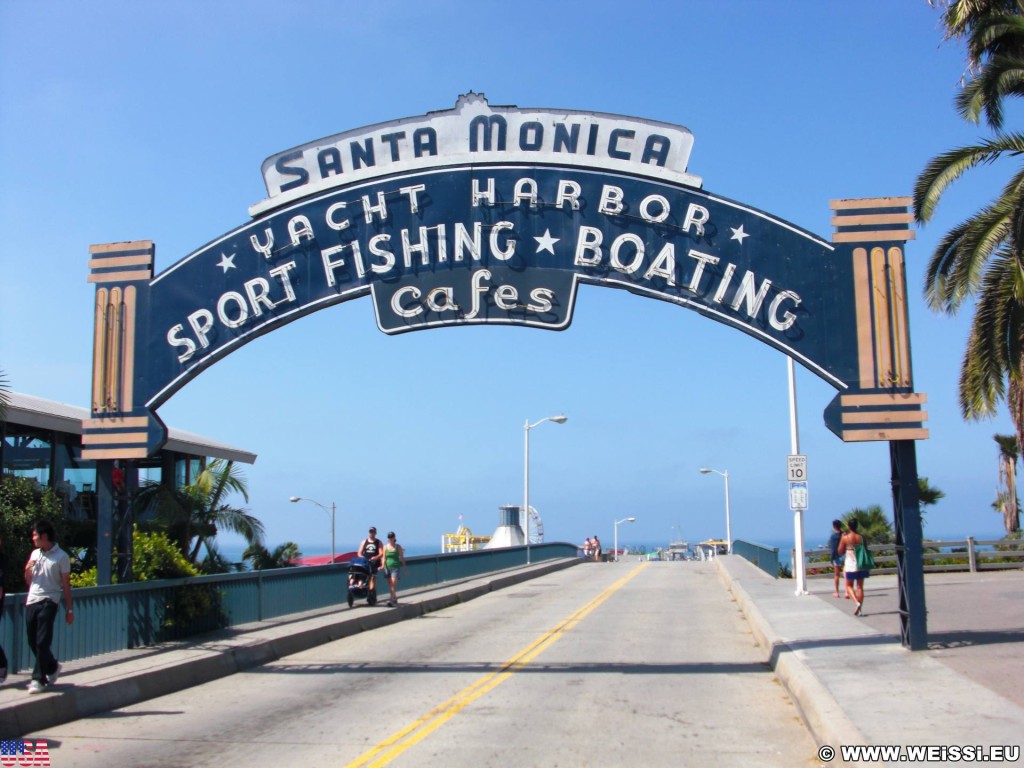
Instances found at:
x=42 y=439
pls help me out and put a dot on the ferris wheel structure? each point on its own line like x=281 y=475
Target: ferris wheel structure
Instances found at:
x=536 y=525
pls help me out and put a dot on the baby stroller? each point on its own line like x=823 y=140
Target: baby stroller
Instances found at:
x=359 y=582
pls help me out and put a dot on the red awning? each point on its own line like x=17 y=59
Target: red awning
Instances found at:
x=324 y=559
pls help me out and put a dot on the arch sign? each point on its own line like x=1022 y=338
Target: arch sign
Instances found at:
x=496 y=215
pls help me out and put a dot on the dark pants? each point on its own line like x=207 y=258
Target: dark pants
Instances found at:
x=39 y=619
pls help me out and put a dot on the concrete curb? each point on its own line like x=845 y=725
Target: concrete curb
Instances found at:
x=822 y=714
x=210 y=659
x=889 y=696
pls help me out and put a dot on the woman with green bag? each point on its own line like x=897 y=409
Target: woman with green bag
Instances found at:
x=856 y=564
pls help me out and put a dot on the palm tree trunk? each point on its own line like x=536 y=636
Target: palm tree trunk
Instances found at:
x=1012 y=512
x=1008 y=478
x=1015 y=400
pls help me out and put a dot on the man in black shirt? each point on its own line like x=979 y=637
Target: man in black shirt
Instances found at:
x=372 y=549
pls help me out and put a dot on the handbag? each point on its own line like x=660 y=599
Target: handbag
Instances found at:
x=865 y=560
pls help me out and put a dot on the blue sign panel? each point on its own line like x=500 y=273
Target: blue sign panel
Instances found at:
x=464 y=246
x=438 y=243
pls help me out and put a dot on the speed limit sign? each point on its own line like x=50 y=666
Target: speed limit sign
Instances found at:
x=796 y=468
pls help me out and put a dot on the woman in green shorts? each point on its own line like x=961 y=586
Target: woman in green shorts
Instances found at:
x=394 y=556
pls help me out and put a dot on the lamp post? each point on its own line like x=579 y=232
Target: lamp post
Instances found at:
x=623 y=520
x=728 y=521
x=526 y=472
x=330 y=511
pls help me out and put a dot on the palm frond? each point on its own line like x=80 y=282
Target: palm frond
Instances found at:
x=992 y=348
x=943 y=170
x=955 y=268
x=1008 y=447
x=1001 y=78
x=220 y=477
x=237 y=521
x=961 y=17
x=997 y=31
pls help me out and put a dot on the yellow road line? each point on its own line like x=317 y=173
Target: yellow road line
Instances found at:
x=397 y=743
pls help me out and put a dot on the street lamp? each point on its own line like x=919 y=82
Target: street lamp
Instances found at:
x=623 y=520
x=728 y=521
x=330 y=511
x=526 y=472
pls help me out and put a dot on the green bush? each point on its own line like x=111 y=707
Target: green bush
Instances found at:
x=22 y=502
x=155 y=558
x=187 y=609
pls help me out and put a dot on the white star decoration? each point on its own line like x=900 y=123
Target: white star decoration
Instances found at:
x=547 y=242
x=738 y=234
x=227 y=262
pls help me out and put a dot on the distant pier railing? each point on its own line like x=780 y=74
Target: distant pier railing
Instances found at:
x=122 y=616
x=765 y=558
x=967 y=555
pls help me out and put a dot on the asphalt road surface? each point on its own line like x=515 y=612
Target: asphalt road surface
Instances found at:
x=601 y=664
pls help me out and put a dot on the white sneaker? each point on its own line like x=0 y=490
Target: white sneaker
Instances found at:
x=35 y=687
x=52 y=678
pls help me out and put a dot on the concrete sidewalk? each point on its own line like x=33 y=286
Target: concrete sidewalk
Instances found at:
x=107 y=682
x=855 y=684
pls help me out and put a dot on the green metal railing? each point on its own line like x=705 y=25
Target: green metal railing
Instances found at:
x=765 y=558
x=122 y=616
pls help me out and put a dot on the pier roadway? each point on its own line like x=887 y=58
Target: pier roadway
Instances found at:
x=596 y=664
x=561 y=664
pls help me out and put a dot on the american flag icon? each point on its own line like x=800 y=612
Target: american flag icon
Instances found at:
x=24 y=752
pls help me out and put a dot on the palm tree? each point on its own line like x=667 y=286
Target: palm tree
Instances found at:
x=960 y=17
x=192 y=514
x=995 y=49
x=261 y=559
x=216 y=561
x=983 y=256
x=1007 y=501
x=927 y=495
x=872 y=524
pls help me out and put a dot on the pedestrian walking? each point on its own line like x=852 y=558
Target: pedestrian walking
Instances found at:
x=596 y=544
x=854 y=577
x=833 y=555
x=394 y=558
x=372 y=549
x=588 y=549
x=48 y=575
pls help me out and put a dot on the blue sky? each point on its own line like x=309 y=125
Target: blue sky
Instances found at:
x=123 y=121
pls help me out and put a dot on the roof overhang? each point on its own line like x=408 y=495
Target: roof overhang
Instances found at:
x=39 y=413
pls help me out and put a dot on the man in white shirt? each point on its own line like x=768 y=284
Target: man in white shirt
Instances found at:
x=48 y=575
